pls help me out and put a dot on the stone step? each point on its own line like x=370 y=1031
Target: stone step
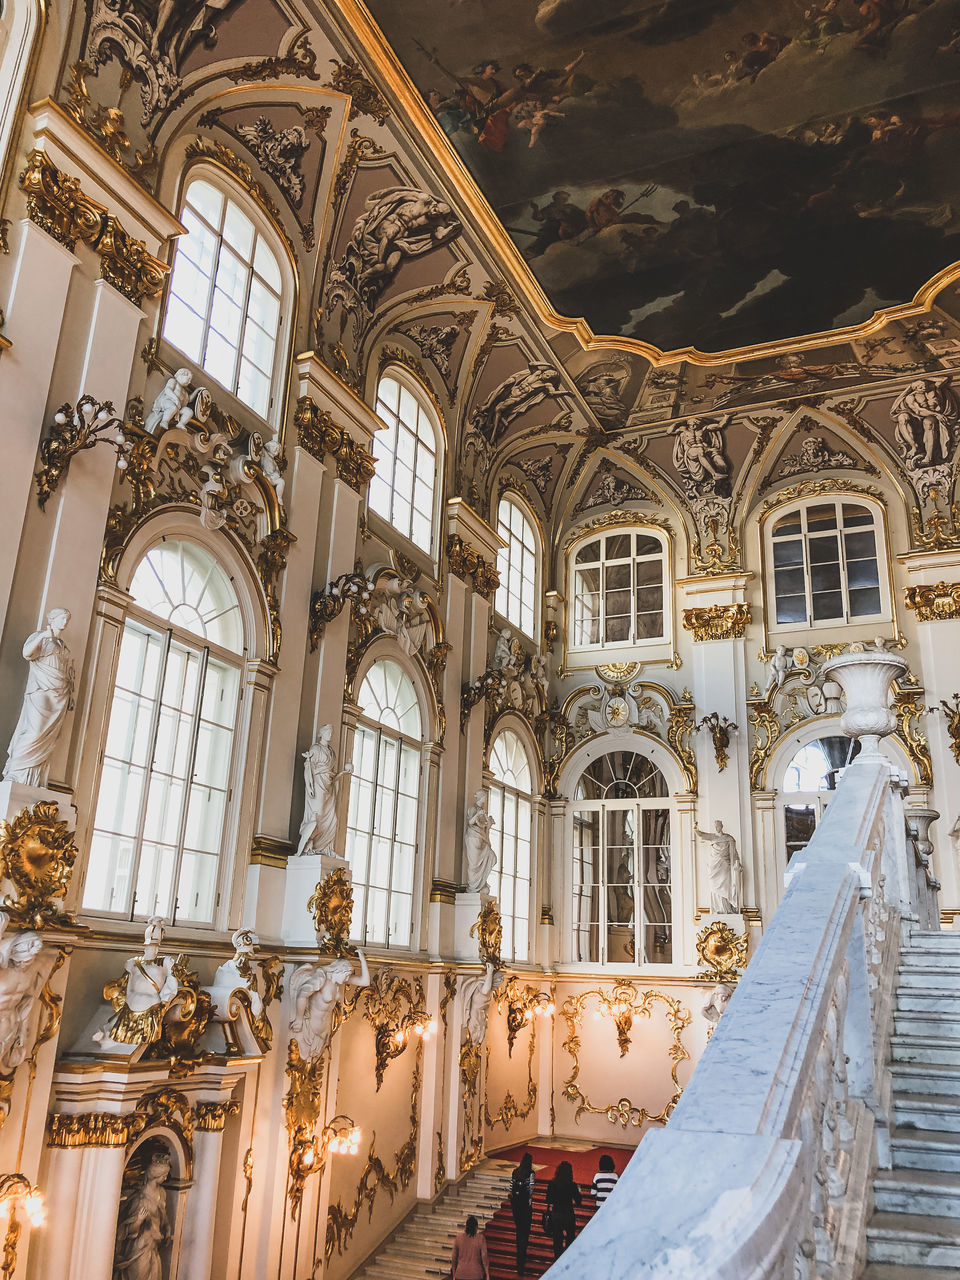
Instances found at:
x=925 y=1078
x=945 y=957
x=927 y=939
x=890 y=1271
x=930 y=1049
x=933 y=1002
x=913 y=1240
x=927 y=1111
x=929 y=978
x=940 y=1027
x=917 y=1191
x=926 y=1149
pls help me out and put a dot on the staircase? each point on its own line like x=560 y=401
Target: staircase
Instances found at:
x=914 y=1233
x=502 y=1235
x=421 y=1246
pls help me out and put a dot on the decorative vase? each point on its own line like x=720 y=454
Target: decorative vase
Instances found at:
x=866 y=678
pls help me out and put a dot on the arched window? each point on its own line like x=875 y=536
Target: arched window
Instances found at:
x=164 y=786
x=511 y=807
x=619 y=589
x=224 y=305
x=384 y=813
x=517 y=595
x=810 y=779
x=826 y=564
x=406 y=454
x=622 y=898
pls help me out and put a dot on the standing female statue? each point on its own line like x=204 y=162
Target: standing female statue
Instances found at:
x=143 y=1230
x=318 y=830
x=46 y=700
x=479 y=858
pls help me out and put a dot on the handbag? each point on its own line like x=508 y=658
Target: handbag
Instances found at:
x=546 y=1221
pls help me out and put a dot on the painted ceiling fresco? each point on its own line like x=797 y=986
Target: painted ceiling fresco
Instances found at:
x=716 y=173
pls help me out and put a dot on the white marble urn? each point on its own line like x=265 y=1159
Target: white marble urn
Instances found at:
x=866 y=679
x=919 y=822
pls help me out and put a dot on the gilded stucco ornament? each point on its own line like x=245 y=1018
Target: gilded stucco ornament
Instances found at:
x=238 y=1005
x=140 y=996
x=354 y=589
x=937 y=603
x=488 y=931
x=320 y=436
x=468 y=565
x=623 y=1003
x=951 y=710
x=717 y=621
x=331 y=906
x=37 y=853
x=365 y=98
x=93 y=1129
x=382 y=1005
x=722 y=954
x=510 y=1108
x=720 y=729
x=524 y=1005
x=72 y=430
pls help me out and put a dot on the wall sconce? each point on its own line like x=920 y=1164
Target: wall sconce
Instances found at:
x=720 y=729
x=621 y=1006
x=340 y=1137
x=390 y=1039
x=309 y=1152
x=543 y=1007
x=17 y=1191
x=72 y=431
x=524 y=1004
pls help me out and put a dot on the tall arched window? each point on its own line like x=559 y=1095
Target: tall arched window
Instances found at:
x=810 y=779
x=518 y=592
x=619 y=589
x=826 y=564
x=224 y=305
x=511 y=807
x=384 y=811
x=622 y=899
x=164 y=786
x=407 y=455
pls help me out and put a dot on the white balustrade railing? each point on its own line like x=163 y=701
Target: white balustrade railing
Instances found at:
x=764 y=1168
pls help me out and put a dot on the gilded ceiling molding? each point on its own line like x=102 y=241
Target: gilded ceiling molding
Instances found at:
x=319 y=435
x=717 y=622
x=365 y=98
x=358 y=148
x=354 y=589
x=819 y=489
x=37 y=853
x=938 y=531
x=721 y=952
x=468 y=565
x=939 y=603
x=622 y=1004
x=341 y=1222
x=500 y=294
x=219 y=153
x=56 y=203
x=300 y=62
x=457 y=286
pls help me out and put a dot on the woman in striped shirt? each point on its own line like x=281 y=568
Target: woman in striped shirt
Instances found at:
x=604 y=1180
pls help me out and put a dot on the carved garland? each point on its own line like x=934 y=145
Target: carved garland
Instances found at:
x=631 y=1005
x=56 y=203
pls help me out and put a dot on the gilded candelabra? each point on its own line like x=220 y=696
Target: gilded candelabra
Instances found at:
x=16 y=1191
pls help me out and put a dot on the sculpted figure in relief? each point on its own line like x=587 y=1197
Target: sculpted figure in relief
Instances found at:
x=236 y=974
x=172 y=406
x=716 y=1004
x=318 y=830
x=479 y=858
x=18 y=993
x=143 y=995
x=698 y=455
x=523 y=390
x=46 y=701
x=476 y=1001
x=927 y=416
x=315 y=989
x=400 y=612
x=143 y=1230
x=725 y=870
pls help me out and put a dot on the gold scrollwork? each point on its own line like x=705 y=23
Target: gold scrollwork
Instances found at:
x=302 y=1105
x=319 y=435
x=765 y=725
x=449 y=991
x=717 y=621
x=331 y=906
x=680 y=728
x=37 y=853
x=488 y=931
x=938 y=603
x=440 y=1173
x=908 y=707
x=721 y=952
x=524 y=1003
x=510 y=1109
x=469 y=565
x=381 y=1004
x=632 y=1004
x=365 y=98
x=952 y=711
x=56 y=203
x=720 y=729
x=167 y=1109
x=219 y=153
x=341 y=1222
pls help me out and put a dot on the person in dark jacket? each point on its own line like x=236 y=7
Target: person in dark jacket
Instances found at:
x=563 y=1195
x=522 y=1183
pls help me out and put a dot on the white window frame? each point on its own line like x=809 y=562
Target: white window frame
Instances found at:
x=615 y=647
x=264 y=234
x=356 y=833
x=169 y=634
x=878 y=528
x=383 y=493
x=506 y=796
x=515 y=583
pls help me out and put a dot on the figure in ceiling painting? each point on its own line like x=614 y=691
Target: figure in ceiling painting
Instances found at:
x=514 y=396
x=151 y=39
x=397 y=223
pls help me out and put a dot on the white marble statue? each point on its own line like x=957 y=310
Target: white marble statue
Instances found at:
x=479 y=858
x=150 y=987
x=476 y=993
x=236 y=974
x=172 y=406
x=318 y=830
x=725 y=870
x=779 y=666
x=46 y=701
x=716 y=1004
x=18 y=993
x=143 y=1230
x=401 y=613
x=315 y=989
x=503 y=659
x=269 y=465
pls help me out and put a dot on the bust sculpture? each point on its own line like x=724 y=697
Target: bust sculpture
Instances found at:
x=318 y=830
x=143 y=1229
x=315 y=989
x=725 y=870
x=479 y=858
x=46 y=701
x=142 y=995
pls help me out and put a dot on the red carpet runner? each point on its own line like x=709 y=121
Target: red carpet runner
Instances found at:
x=501 y=1236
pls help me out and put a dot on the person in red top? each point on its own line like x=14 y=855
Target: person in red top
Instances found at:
x=470 y=1254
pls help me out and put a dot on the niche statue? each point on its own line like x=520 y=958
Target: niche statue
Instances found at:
x=725 y=870
x=479 y=858
x=46 y=701
x=143 y=1229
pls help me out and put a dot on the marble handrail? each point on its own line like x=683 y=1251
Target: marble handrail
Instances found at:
x=763 y=1169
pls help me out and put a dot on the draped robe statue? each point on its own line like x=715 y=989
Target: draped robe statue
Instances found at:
x=46 y=701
